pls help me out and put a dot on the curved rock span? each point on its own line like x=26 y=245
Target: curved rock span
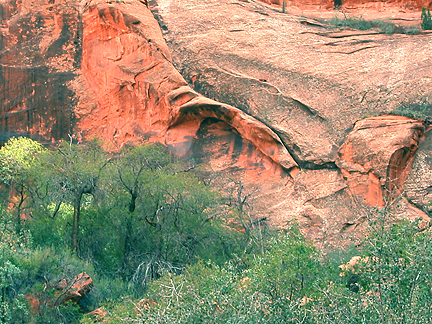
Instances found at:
x=116 y=82
x=377 y=157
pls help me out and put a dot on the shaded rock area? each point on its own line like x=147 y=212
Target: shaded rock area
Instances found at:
x=377 y=156
x=276 y=101
x=40 y=54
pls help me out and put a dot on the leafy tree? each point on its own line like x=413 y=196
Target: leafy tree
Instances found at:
x=68 y=175
x=137 y=168
x=165 y=216
x=17 y=157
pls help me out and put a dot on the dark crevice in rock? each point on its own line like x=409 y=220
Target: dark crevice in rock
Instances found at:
x=419 y=206
x=307 y=109
x=78 y=42
x=153 y=5
x=347 y=226
x=295 y=153
x=316 y=166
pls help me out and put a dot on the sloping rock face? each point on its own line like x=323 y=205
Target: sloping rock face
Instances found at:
x=314 y=86
x=275 y=101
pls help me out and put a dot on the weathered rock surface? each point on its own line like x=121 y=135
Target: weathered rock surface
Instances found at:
x=313 y=86
x=121 y=87
x=376 y=157
x=418 y=185
x=286 y=98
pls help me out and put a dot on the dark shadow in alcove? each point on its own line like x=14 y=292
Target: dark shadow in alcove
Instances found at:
x=337 y=3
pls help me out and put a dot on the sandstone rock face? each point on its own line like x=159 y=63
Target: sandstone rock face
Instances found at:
x=274 y=100
x=313 y=86
x=40 y=54
x=377 y=156
x=121 y=87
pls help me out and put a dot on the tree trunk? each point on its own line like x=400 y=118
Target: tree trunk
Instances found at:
x=127 y=246
x=87 y=188
x=77 y=209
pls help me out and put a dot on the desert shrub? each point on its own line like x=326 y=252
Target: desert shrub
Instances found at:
x=360 y=23
x=352 y=22
x=419 y=110
x=393 y=276
x=293 y=283
x=426 y=19
x=12 y=305
x=270 y=288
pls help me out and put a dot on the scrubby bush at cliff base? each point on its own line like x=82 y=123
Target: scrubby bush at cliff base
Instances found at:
x=388 y=282
x=27 y=271
x=12 y=305
x=360 y=23
x=426 y=19
x=271 y=288
x=419 y=110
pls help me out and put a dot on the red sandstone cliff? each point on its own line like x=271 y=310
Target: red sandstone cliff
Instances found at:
x=288 y=99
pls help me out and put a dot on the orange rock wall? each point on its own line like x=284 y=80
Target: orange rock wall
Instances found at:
x=377 y=156
x=40 y=54
x=103 y=69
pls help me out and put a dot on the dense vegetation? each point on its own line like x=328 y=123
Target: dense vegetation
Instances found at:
x=163 y=247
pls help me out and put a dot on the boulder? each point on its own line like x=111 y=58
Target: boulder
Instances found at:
x=55 y=294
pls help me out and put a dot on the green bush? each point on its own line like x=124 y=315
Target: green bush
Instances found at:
x=293 y=283
x=419 y=110
x=393 y=274
x=360 y=23
x=12 y=306
x=352 y=22
x=271 y=288
x=426 y=19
